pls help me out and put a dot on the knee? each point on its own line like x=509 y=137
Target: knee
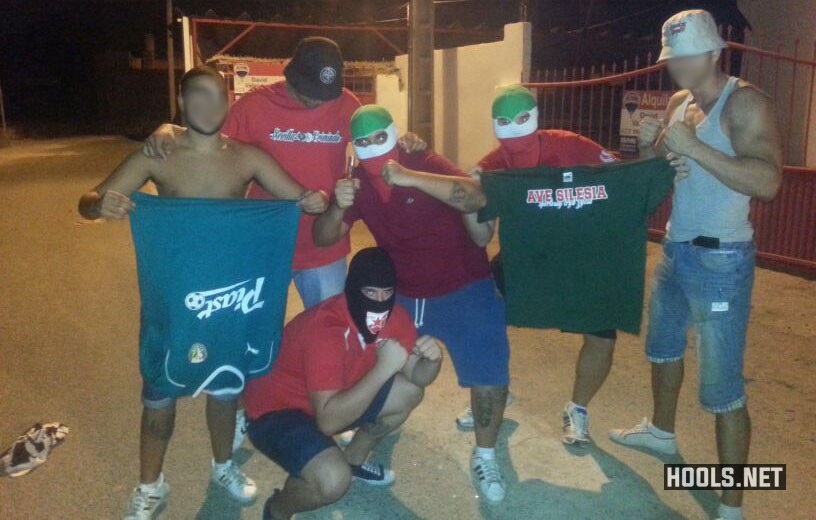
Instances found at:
x=333 y=481
x=159 y=423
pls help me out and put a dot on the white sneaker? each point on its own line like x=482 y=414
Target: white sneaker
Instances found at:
x=465 y=419
x=146 y=503
x=487 y=474
x=239 y=486
x=645 y=435
x=345 y=438
x=241 y=425
x=575 y=426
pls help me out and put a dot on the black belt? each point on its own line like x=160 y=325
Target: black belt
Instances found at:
x=707 y=242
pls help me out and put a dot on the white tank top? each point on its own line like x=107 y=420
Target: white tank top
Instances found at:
x=701 y=204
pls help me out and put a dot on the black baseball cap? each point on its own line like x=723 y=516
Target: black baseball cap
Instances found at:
x=316 y=68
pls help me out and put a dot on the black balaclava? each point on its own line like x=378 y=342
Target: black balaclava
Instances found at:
x=371 y=267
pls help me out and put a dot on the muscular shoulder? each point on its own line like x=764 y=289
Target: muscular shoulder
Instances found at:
x=746 y=102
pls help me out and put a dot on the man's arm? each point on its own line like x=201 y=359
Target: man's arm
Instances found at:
x=111 y=198
x=480 y=232
x=650 y=130
x=424 y=362
x=335 y=410
x=276 y=181
x=460 y=193
x=756 y=170
x=329 y=227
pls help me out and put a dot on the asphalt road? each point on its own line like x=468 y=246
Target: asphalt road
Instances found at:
x=68 y=352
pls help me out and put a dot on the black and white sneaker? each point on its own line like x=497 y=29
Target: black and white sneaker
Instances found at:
x=373 y=474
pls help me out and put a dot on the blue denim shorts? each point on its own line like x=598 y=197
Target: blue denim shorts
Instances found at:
x=318 y=283
x=711 y=290
x=471 y=322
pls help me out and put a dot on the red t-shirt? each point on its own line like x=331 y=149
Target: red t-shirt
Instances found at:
x=321 y=350
x=309 y=143
x=426 y=239
x=557 y=148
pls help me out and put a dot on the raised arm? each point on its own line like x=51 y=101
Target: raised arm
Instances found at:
x=335 y=410
x=276 y=181
x=460 y=193
x=329 y=227
x=750 y=119
x=480 y=232
x=111 y=198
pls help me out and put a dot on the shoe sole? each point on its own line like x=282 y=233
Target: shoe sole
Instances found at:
x=648 y=449
x=580 y=443
x=375 y=483
x=465 y=427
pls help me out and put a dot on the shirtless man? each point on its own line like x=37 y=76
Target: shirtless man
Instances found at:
x=727 y=130
x=206 y=165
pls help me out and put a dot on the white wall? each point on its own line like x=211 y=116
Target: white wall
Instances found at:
x=783 y=22
x=465 y=79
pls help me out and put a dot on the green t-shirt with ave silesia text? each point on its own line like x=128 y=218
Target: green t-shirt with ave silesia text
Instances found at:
x=573 y=241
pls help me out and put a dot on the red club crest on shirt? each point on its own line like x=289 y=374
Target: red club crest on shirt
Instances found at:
x=375 y=321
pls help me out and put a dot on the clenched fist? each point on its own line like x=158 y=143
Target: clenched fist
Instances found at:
x=115 y=205
x=395 y=174
x=313 y=202
x=391 y=356
x=648 y=131
x=681 y=138
x=344 y=192
x=428 y=347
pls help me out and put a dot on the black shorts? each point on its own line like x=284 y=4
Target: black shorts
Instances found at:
x=291 y=437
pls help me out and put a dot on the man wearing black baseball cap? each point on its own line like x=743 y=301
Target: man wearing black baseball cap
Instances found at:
x=303 y=123
x=315 y=72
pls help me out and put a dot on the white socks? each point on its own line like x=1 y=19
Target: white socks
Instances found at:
x=220 y=467
x=154 y=485
x=729 y=512
x=572 y=406
x=485 y=453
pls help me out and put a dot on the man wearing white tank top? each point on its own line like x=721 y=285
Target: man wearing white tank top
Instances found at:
x=727 y=130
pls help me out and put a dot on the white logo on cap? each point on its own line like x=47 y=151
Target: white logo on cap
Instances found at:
x=327 y=75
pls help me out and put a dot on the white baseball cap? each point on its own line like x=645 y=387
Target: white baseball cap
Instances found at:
x=689 y=33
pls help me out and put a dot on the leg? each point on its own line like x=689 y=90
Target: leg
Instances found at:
x=323 y=481
x=733 y=441
x=157 y=428
x=401 y=401
x=221 y=423
x=594 y=363
x=667 y=378
x=316 y=284
x=488 y=404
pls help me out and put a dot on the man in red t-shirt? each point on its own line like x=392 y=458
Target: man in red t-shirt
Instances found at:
x=303 y=123
x=443 y=278
x=353 y=361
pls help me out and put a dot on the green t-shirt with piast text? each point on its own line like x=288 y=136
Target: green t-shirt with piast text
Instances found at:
x=573 y=241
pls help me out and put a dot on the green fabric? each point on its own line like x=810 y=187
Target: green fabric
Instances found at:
x=512 y=100
x=368 y=119
x=576 y=268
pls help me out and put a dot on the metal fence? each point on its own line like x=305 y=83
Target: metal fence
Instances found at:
x=588 y=100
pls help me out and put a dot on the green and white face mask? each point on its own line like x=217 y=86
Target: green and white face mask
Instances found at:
x=373 y=132
x=515 y=112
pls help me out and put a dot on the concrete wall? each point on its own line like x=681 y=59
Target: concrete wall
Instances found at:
x=777 y=23
x=465 y=79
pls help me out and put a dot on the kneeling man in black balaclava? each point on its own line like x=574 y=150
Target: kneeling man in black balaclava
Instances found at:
x=353 y=361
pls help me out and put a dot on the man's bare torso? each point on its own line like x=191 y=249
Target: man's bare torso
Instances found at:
x=224 y=173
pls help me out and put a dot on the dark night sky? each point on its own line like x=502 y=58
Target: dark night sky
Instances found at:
x=47 y=47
